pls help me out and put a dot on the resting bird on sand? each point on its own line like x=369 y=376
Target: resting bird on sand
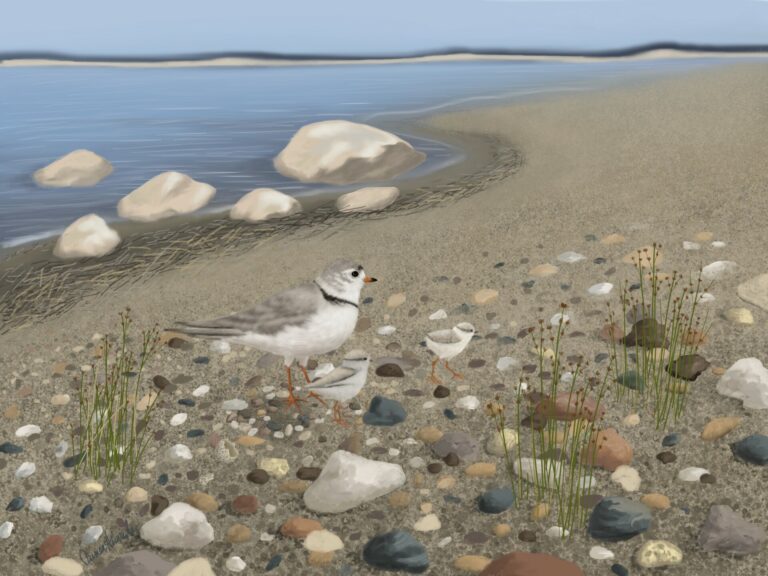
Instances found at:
x=343 y=383
x=314 y=318
x=447 y=344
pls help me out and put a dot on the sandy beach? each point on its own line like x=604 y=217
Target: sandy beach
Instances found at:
x=659 y=161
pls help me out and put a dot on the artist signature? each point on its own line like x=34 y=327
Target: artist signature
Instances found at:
x=109 y=542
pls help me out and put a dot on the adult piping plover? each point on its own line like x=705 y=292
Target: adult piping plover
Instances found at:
x=314 y=318
x=343 y=383
x=447 y=344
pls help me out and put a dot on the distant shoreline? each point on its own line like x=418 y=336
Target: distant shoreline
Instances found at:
x=224 y=61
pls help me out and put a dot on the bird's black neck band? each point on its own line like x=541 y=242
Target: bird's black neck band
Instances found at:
x=334 y=299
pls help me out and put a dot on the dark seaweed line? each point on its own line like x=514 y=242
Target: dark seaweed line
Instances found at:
x=33 y=292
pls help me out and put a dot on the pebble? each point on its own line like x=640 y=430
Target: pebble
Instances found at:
x=258 y=476
x=441 y=391
x=497 y=440
x=298 y=527
x=485 y=296
x=136 y=495
x=600 y=289
x=8 y=448
x=691 y=474
x=178 y=419
x=396 y=550
x=671 y=440
x=234 y=404
x=557 y=532
x=235 y=564
x=41 y=505
x=542 y=270
x=203 y=502
x=245 y=504
x=27 y=430
x=631 y=420
x=60 y=566
x=526 y=536
x=540 y=511
x=658 y=553
x=740 y=316
x=666 y=457
x=386 y=330
x=753 y=449
x=238 y=533
x=428 y=523
x=656 y=501
x=600 y=553
x=396 y=300
x=627 y=477
x=277 y=467
x=180 y=452
x=617 y=518
x=619 y=570
x=496 y=500
x=468 y=403
x=60 y=399
x=481 y=470
x=384 y=412
x=201 y=391
x=322 y=541
x=390 y=370
x=273 y=563
x=25 y=470
x=472 y=564
x=438 y=315
x=92 y=535
x=570 y=257
x=506 y=362
x=502 y=530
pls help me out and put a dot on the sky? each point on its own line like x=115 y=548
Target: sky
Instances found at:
x=369 y=27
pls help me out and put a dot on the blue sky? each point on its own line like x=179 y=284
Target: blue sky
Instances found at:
x=345 y=27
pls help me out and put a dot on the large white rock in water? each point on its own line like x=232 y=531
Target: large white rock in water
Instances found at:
x=746 y=380
x=178 y=527
x=78 y=168
x=367 y=199
x=348 y=480
x=263 y=204
x=167 y=194
x=86 y=237
x=342 y=152
x=755 y=291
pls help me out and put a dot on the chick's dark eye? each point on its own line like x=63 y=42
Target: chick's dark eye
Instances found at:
x=355 y=274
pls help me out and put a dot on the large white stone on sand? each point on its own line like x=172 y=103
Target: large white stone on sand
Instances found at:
x=348 y=480
x=178 y=527
x=78 y=168
x=746 y=380
x=193 y=567
x=755 y=291
x=367 y=199
x=86 y=237
x=342 y=152
x=718 y=269
x=167 y=194
x=263 y=204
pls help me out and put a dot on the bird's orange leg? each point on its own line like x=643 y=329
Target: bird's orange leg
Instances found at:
x=311 y=394
x=292 y=400
x=304 y=371
x=433 y=377
x=337 y=417
x=452 y=371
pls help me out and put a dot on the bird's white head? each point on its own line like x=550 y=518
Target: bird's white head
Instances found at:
x=465 y=330
x=357 y=359
x=344 y=279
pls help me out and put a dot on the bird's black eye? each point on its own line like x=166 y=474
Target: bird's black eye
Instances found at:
x=355 y=274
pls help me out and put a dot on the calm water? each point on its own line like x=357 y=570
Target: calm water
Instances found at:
x=223 y=126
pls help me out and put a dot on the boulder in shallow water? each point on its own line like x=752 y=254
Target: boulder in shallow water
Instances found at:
x=76 y=169
x=342 y=152
x=86 y=237
x=263 y=204
x=367 y=199
x=167 y=194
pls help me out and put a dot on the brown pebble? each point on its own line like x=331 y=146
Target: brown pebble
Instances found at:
x=320 y=558
x=12 y=412
x=353 y=443
x=429 y=434
x=390 y=370
x=203 y=502
x=451 y=459
x=363 y=324
x=540 y=511
x=258 y=476
x=481 y=470
x=666 y=457
x=299 y=527
x=238 y=533
x=418 y=480
x=719 y=427
x=51 y=546
x=441 y=391
x=400 y=499
x=476 y=363
x=292 y=486
x=656 y=501
x=475 y=537
x=58 y=420
x=435 y=468
x=307 y=473
x=707 y=479
x=245 y=504
x=527 y=536
x=250 y=441
x=502 y=530
x=472 y=564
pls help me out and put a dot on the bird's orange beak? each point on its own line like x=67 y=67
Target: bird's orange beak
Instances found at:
x=368 y=279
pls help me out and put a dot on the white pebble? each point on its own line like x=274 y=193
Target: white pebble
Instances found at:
x=27 y=431
x=691 y=245
x=691 y=474
x=267 y=537
x=278 y=434
x=385 y=330
x=25 y=470
x=416 y=462
x=234 y=404
x=718 y=269
x=468 y=402
x=201 y=391
x=557 y=532
x=270 y=508
x=600 y=553
x=41 y=505
x=718 y=244
x=444 y=542
x=570 y=257
x=600 y=289
x=506 y=362
x=428 y=404
x=428 y=523
x=180 y=452
x=92 y=534
x=373 y=441
x=178 y=419
x=6 y=528
x=438 y=315
x=235 y=564
x=627 y=477
x=221 y=346
x=705 y=297
x=394 y=452
x=555 y=320
x=61 y=449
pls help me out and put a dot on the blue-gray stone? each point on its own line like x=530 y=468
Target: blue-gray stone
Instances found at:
x=671 y=439
x=195 y=433
x=73 y=461
x=86 y=511
x=460 y=443
x=384 y=412
x=619 y=570
x=8 y=448
x=162 y=479
x=631 y=380
x=728 y=531
x=496 y=500
x=450 y=414
x=753 y=449
x=186 y=402
x=396 y=550
x=16 y=504
x=617 y=518
x=274 y=562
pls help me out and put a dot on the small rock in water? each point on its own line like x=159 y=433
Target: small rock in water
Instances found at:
x=396 y=550
x=8 y=448
x=234 y=404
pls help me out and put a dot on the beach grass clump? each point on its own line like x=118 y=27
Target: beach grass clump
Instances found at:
x=667 y=331
x=113 y=430
x=556 y=424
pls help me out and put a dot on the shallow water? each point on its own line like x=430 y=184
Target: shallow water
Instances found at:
x=223 y=126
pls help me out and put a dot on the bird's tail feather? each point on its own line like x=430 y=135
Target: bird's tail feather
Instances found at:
x=205 y=330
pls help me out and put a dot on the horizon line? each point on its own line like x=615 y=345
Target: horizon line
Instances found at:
x=299 y=57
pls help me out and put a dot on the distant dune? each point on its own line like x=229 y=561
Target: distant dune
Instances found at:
x=655 y=52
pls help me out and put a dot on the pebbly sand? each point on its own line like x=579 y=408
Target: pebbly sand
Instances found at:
x=659 y=161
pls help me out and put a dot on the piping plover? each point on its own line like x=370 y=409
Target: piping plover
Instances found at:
x=314 y=318
x=343 y=383
x=447 y=344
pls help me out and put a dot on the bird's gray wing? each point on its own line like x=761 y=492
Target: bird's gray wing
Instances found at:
x=293 y=307
x=333 y=378
x=443 y=336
